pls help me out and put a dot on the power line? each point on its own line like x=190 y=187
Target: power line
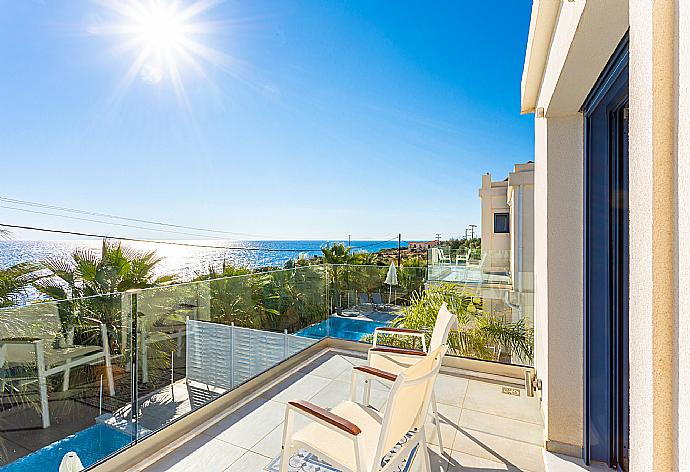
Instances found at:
x=117 y=217
x=170 y=243
x=377 y=243
x=101 y=221
x=124 y=218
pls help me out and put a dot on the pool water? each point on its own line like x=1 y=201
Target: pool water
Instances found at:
x=91 y=445
x=351 y=329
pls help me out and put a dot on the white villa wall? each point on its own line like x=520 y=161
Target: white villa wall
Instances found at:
x=582 y=40
x=558 y=278
x=494 y=199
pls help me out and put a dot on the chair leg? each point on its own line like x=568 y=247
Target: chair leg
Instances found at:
x=42 y=384
x=434 y=407
x=287 y=449
x=367 y=392
x=65 y=377
x=108 y=363
x=426 y=466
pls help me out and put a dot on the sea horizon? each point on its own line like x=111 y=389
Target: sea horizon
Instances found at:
x=188 y=258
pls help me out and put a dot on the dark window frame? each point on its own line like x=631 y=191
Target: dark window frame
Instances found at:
x=507 y=223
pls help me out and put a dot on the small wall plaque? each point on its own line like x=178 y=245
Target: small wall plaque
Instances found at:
x=511 y=391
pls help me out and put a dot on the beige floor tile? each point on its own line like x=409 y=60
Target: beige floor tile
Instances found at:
x=200 y=452
x=336 y=392
x=438 y=462
x=489 y=398
x=297 y=388
x=270 y=445
x=328 y=366
x=449 y=416
x=249 y=426
x=461 y=462
x=249 y=462
x=450 y=390
x=502 y=426
x=498 y=449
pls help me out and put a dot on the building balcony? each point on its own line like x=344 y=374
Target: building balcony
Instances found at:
x=198 y=374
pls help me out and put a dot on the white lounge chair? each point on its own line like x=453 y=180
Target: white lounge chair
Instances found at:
x=443 y=258
x=394 y=360
x=32 y=335
x=355 y=437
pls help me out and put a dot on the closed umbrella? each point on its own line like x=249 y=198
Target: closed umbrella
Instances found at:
x=71 y=463
x=391 y=279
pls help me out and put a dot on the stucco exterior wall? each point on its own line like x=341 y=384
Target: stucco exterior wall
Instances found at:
x=583 y=38
x=655 y=219
x=559 y=275
x=494 y=199
x=684 y=233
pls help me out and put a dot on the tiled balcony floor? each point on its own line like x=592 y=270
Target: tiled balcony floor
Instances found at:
x=483 y=428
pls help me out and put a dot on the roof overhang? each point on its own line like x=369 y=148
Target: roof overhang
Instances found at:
x=541 y=28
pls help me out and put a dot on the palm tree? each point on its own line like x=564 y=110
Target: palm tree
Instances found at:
x=86 y=283
x=335 y=255
x=86 y=273
x=482 y=334
x=15 y=280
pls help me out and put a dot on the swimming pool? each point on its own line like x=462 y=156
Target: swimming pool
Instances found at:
x=351 y=329
x=91 y=445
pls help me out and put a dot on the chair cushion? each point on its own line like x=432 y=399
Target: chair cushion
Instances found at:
x=330 y=445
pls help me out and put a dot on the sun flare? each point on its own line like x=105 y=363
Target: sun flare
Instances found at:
x=163 y=37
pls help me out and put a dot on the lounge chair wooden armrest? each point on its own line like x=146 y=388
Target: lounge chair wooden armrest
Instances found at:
x=374 y=372
x=326 y=416
x=387 y=329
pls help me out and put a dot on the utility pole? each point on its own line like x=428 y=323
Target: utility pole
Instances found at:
x=472 y=227
x=399 y=241
x=466 y=238
x=349 y=242
x=438 y=238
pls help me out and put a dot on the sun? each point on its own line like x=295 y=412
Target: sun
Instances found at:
x=162 y=37
x=160 y=27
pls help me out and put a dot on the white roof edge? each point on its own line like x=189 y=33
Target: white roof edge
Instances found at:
x=541 y=28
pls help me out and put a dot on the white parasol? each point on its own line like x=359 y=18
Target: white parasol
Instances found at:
x=391 y=279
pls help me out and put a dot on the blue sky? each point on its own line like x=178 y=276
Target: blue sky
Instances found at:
x=315 y=120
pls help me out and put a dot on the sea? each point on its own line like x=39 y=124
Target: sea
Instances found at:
x=186 y=258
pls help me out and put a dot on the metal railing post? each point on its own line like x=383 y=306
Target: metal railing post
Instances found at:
x=134 y=335
x=285 y=344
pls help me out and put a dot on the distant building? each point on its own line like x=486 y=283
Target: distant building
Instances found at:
x=421 y=245
x=507 y=225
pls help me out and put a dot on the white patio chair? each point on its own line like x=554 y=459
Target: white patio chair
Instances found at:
x=357 y=438
x=443 y=258
x=395 y=360
x=32 y=335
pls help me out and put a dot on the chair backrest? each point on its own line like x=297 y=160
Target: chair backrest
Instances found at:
x=363 y=298
x=39 y=320
x=408 y=401
x=36 y=321
x=377 y=298
x=445 y=321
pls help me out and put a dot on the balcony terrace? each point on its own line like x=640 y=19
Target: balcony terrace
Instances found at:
x=217 y=360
